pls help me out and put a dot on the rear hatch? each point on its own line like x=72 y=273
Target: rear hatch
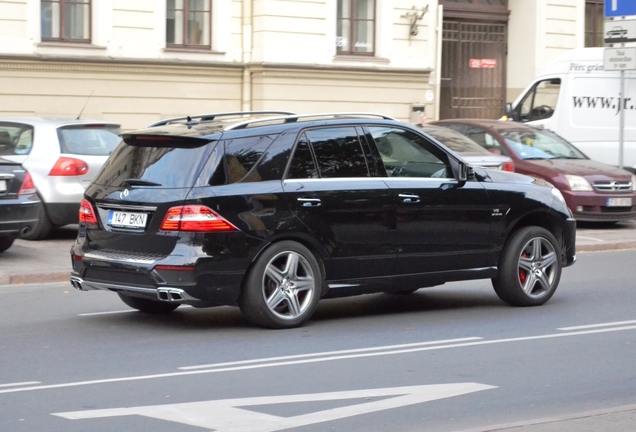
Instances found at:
x=147 y=175
x=83 y=150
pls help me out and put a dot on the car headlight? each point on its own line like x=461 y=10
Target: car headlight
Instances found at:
x=578 y=183
x=633 y=182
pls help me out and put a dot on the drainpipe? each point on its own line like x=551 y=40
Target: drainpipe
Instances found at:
x=247 y=32
x=438 y=60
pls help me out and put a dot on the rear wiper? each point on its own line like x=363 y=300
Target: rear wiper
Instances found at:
x=139 y=182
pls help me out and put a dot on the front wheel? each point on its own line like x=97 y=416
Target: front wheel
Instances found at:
x=283 y=287
x=529 y=268
x=154 y=307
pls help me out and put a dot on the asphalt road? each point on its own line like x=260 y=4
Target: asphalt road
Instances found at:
x=453 y=358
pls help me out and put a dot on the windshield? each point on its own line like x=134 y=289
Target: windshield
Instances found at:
x=540 y=144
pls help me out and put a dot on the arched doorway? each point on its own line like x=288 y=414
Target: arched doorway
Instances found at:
x=474 y=41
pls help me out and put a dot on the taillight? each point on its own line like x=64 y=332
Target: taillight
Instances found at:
x=86 y=213
x=509 y=166
x=66 y=166
x=27 y=187
x=196 y=218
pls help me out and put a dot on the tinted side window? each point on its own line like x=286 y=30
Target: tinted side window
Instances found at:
x=302 y=164
x=338 y=152
x=407 y=154
x=242 y=154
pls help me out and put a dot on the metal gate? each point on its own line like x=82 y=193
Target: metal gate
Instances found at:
x=473 y=82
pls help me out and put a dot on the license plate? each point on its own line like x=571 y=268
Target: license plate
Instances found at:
x=3 y=185
x=619 y=202
x=127 y=219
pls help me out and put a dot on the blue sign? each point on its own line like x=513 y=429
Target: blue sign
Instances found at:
x=614 y=8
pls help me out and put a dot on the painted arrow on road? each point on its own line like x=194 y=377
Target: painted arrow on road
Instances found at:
x=249 y=414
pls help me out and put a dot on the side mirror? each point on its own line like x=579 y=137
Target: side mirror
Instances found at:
x=510 y=114
x=462 y=170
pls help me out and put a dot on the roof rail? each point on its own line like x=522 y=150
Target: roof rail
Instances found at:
x=206 y=117
x=293 y=118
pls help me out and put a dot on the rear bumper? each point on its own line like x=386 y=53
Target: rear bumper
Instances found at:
x=14 y=218
x=199 y=280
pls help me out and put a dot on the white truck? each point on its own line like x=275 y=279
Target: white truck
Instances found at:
x=576 y=98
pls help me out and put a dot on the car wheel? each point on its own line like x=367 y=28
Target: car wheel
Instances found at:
x=155 y=307
x=5 y=243
x=529 y=268
x=42 y=228
x=283 y=287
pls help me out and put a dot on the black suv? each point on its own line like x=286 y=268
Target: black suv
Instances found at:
x=273 y=211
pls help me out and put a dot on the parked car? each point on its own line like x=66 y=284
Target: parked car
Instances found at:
x=594 y=191
x=468 y=149
x=275 y=211
x=18 y=202
x=62 y=155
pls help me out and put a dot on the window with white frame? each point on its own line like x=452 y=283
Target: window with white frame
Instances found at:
x=188 y=23
x=356 y=27
x=65 y=20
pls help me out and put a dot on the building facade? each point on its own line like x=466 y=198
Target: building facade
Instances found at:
x=135 y=62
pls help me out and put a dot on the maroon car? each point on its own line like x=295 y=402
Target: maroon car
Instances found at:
x=594 y=191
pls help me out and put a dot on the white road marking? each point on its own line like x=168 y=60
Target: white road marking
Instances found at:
x=328 y=353
x=591 y=238
x=237 y=415
x=286 y=361
x=20 y=384
x=589 y=326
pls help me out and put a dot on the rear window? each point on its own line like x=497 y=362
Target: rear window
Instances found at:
x=456 y=141
x=15 y=139
x=168 y=166
x=88 y=140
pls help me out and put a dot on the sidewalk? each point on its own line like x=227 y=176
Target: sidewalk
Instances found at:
x=50 y=261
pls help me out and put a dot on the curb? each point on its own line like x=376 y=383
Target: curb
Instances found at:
x=34 y=278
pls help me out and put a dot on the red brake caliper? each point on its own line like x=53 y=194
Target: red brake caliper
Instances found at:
x=522 y=273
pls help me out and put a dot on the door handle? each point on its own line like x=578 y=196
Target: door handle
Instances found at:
x=310 y=202
x=409 y=199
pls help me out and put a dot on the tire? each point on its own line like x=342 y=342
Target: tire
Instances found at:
x=42 y=228
x=5 y=243
x=283 y=287
x=148 y=306
x=529 y=268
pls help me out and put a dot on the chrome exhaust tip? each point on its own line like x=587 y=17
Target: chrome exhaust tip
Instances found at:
x=77 y=283
x=171 y=294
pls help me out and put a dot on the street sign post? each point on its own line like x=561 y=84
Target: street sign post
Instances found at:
x=615 y=8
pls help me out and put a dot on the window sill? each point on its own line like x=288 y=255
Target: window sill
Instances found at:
x=205 y=50
x=54 y=44
x=359 y=58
